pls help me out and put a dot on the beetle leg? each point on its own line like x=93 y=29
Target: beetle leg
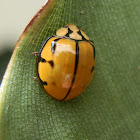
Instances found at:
x=35 y=78
x=35 y=53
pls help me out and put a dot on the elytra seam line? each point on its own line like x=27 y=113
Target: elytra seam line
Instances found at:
x=75 y=69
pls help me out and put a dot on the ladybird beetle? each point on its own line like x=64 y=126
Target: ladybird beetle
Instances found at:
x=65 y=63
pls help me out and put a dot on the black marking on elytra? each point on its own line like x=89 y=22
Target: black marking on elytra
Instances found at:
x=92 y=69
x=75 y=69
x=42 y=82
x=69 y=32
x=79 y=32
x=45 y=83
x=53 y=83
x=43 y=60
x=51 y=63
x=53 y=45
x=40 y=59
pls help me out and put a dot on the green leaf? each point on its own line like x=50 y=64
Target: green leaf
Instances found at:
x=109 y=108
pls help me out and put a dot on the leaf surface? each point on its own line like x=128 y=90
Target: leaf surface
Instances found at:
x=109 y=109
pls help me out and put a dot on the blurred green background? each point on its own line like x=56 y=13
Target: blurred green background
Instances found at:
x=14 y=18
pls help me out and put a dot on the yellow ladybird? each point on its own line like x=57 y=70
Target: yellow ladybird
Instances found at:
x=65 y=63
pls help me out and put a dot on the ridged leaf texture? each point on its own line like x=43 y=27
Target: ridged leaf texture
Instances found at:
x=109 y=109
